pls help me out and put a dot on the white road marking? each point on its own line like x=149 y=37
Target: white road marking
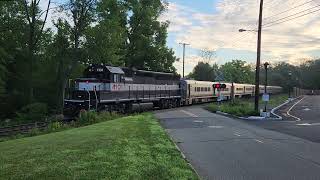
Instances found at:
x=307 y=109
x=237 y=134
x=304 y=124
x=308 y=124
x=257 y=140
x=216 y=127
x=198 y=121
x=189 y=113
x=288 y=112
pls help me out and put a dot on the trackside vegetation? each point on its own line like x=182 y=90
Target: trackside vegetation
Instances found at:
x=57 y=124
x=245 y=107
x=134 y=147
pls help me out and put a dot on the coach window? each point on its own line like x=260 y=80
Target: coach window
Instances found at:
x=195 y=89
x=116 y=78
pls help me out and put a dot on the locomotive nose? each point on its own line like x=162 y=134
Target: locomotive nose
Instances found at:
x=70 y=111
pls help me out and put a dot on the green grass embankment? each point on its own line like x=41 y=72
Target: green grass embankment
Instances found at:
x=134 y=147
x=245 y=107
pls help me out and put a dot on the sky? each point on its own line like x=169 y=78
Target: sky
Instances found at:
x=213 y=25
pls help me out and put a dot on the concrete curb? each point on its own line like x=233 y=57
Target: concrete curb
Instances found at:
x=283 y=104
x=260 y=118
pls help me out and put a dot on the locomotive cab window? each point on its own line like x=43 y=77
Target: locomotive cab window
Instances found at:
x=117 y=78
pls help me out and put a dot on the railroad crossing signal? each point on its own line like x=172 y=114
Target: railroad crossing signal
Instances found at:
x=219 y=86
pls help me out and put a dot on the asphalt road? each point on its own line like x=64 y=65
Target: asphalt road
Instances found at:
x=303 y=120
x=308 y=110
x=219 y=147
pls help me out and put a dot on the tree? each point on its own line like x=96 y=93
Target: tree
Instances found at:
x=13 y=40
x=237 y=71
x=207 y=55
x=307 y=75
x=35 y=27
x=58 y=60
x=3 y=72
x=107 y=40
x=279 y=75
x=147 y=37
x=81 y=13
x=204 y=72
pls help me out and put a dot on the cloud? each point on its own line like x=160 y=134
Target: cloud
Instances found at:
x=291 y=41
x=177 y=15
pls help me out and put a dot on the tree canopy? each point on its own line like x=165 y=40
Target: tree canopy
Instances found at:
x=204 y=72
x=37 y=61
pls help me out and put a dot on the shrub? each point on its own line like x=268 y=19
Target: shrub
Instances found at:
x=107 y=116
x=213 y=108
x=34 y=131
x=237 y=108
x=32 y=113
x=55 y=126
x=87 y=117
x=91 y=117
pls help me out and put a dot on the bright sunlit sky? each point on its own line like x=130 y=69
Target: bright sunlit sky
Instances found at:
x=214 y=25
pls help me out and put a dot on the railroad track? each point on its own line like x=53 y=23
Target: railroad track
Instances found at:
x=22 y=128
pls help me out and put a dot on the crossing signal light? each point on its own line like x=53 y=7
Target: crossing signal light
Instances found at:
x=219 y=86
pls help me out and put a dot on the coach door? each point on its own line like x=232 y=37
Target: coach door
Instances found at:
x=189 y=91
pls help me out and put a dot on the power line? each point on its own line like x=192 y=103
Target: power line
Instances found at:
x=271 y=4
x=284 y=18
x=300 y=5
x=239 y=43
x=291 y=18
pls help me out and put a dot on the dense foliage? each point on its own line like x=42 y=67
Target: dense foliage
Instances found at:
x=37 y=59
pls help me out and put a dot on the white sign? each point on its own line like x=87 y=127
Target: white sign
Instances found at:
x=265 y=97
x=220 y=98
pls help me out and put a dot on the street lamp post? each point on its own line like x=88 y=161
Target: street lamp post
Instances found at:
x=266 y=64
x=290 y=74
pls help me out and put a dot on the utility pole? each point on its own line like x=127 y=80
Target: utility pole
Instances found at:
x=257 y=89
x=184 y=54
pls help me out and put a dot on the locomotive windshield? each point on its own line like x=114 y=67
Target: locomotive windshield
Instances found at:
x=97 y=71
x=101 y=72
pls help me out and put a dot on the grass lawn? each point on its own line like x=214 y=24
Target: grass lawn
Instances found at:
x=275 y=100
x=134 y=147
x=245 y=107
